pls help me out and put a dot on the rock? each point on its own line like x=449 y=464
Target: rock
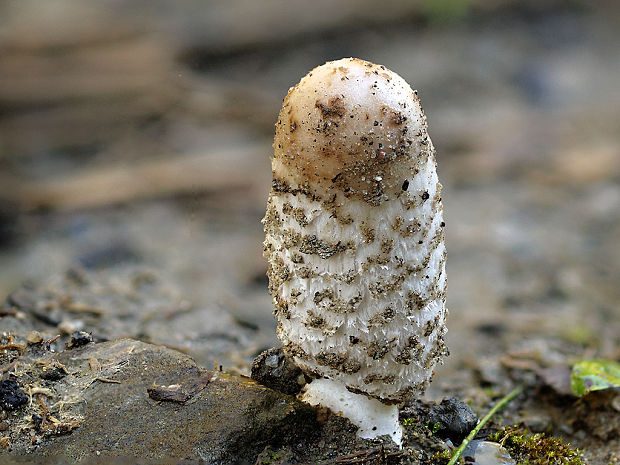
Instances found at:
x=220 y=418
x=69 y=327
x=79 y=339
x=486 y=453
x=274 y=369
x=34 y=337
x=455 y=417
x=11 y=396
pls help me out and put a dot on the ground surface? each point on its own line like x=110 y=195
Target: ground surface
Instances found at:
x=135 y=143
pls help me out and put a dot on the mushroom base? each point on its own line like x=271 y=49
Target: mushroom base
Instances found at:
x=372 y=417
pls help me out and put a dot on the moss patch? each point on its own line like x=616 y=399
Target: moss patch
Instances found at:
x=536 y=449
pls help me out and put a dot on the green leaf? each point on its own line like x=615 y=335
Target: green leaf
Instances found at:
x=593 y=375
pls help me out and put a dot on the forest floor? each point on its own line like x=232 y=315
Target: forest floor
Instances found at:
x=154 y=183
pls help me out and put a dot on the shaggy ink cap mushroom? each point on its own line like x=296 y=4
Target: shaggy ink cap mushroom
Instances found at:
x=355 y=236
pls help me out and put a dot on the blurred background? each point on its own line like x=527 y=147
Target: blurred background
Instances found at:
x=134 y=154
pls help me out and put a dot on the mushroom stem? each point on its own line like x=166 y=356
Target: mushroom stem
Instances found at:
x=372 y=417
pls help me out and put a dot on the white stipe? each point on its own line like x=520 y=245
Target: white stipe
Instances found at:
x=372 y=417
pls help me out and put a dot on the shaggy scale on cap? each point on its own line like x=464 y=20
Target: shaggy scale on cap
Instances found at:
x=355 y=234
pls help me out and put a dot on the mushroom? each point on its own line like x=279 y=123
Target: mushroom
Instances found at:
x=355 y=242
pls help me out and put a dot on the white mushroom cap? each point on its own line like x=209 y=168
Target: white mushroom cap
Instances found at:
x=354 y=232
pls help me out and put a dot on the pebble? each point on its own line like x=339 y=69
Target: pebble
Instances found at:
x=486 y=453
x=79 y=339
x=69 y=327
x=11 y=396
x=273 y=369
x=456 y=419
x=34 y=337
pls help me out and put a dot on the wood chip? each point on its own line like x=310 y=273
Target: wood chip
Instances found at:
x=108 y=380
x=180 y=392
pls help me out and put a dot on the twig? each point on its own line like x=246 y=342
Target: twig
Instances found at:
x=107 y=380
x=13 y=346
x=375 y=455
x=507 y=398
x=8 y=367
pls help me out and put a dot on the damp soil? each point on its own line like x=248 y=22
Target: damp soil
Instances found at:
x=58 y=387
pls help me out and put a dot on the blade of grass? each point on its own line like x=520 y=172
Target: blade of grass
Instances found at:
x=503 y=401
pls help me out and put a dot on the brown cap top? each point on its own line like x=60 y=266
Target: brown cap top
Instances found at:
x=352 y=126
